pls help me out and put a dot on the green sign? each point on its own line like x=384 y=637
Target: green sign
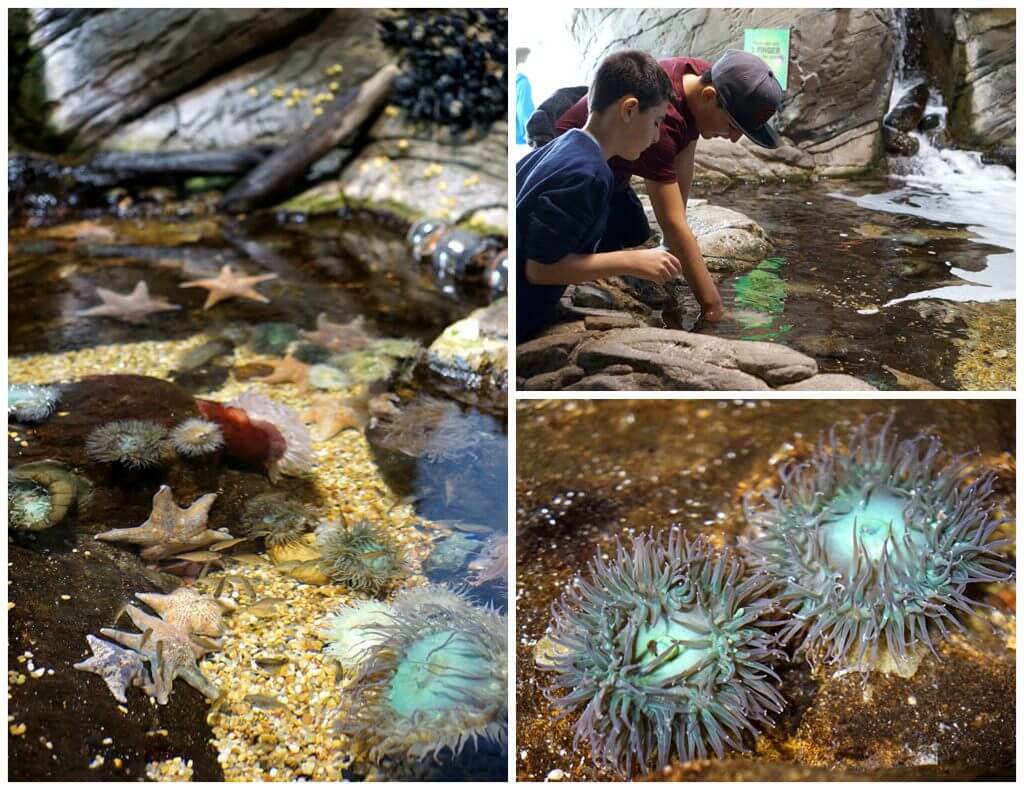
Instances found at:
x=771 y=44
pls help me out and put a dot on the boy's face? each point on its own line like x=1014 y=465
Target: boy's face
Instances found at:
x=642 y=128
x=712 y=119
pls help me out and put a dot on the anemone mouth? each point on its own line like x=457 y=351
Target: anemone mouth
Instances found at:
x=664 y=650
x=435 y=683
x=196 y=437
x=877 y=540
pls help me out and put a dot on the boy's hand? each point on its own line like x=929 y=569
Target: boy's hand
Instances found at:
x=657 y=265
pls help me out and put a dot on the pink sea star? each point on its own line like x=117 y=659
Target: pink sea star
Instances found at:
x=228 y=285
x=132 y=307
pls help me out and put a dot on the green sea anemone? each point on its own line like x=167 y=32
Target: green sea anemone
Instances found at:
x=362 y=557
x=40 y=494
x=31 y=403
x=876 y=541
x=437 y=683
x=136 y=444
x=276 y=519
x=663 y=649
x=354 y=630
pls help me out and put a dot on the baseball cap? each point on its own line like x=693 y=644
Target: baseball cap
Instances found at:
x=750 y=94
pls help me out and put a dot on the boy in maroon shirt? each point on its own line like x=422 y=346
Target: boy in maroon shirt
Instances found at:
x=735 y=96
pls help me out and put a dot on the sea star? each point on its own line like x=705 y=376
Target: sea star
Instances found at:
x=189 y=609
x=339 y=337
x=132 y=307
x=330 y=417
x=287 y=370
x=169 y=657
x=228 y=285
x=170 y=530
x=119 y=668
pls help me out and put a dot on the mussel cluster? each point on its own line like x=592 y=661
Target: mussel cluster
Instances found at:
x=454 y=65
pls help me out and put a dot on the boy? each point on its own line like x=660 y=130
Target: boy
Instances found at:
x=564 y=189
x=735 y=97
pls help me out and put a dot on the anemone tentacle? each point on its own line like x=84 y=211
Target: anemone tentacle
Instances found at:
x=664 y=649
x=876 y=540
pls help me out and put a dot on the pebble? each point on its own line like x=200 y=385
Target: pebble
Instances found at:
x=557 y=775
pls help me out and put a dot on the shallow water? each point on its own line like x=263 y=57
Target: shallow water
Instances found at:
x=357 y=266
x=862 y=278
x=591 y=472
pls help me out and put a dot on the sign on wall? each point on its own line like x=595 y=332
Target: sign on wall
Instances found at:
x=771 y=44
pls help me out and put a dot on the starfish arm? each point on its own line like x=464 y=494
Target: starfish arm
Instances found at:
x=199 y=682
x=126 y=638
x=142 y=536
x=199 y=511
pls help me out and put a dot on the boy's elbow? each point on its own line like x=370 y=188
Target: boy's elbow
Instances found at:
x=535 y=273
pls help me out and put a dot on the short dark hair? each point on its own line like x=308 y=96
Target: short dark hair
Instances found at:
x=705 y=78
x=629 y=73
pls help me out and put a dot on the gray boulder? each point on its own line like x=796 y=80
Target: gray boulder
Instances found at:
x=909 y=110
x=898 y=142
x=79 y=74
x=253 y=103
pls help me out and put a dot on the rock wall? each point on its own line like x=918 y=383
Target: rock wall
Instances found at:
x=840 y=77
x=973 y=54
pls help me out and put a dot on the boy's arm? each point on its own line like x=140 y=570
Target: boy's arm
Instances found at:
x=669 y=203
x=658 y=265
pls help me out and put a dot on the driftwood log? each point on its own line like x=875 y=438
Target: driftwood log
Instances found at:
x=228 y=163
x=342 y=117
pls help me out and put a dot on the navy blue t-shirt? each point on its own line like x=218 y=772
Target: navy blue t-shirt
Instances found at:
x=562 y=194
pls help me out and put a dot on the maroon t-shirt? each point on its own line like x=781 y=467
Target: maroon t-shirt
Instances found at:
x=677 y=132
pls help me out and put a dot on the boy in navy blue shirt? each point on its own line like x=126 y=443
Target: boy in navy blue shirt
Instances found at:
x=563 y=192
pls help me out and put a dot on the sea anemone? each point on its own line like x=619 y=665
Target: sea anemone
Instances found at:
x=136 y=444
x=431 y=597
x=876 y=541
x=276 y=519
x=664 y=649
x=355 y=630
x=262 y=432
x=430 y=428
x=362 y=557
x=492 y=564
x=40 y=494
x=31 y=403
x=196 y=437
x=437 y=682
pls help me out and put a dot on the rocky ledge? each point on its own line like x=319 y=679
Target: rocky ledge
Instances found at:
x=586 y=355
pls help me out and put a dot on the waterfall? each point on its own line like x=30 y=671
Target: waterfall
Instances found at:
x=953 y=186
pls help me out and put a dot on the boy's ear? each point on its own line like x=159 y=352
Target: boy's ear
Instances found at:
x=708 y=93
x=629 y=106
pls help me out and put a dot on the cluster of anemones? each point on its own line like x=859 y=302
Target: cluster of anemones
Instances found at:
x=863 y=550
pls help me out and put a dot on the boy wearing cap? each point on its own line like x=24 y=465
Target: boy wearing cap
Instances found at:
x=734 y=97
x=563 y=191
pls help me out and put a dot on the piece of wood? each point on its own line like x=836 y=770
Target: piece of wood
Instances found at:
x=342 y=117
x=228 y=162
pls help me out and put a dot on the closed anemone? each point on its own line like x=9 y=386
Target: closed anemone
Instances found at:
x=276 y=519
x=197 y=437
x=876 y=540
x=437 y=682
x=31 y=403
x=661 y=651
x=136 y=444
x=29 y=504
x=362 y=557
x=293 y=447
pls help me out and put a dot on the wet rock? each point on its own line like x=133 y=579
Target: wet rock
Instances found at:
x=469 y=360
x=450 y=555
x=239 y=108
x=973 y=54
x=1003 y=155
x=614 y=321
x=555 y=380
x=932 y=120
x=909 y=110
x=899 y=143
x=83 y=73
x=824 y=382
x=547 y=352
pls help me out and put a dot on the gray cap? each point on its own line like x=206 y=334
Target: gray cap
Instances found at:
x=750 y=94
